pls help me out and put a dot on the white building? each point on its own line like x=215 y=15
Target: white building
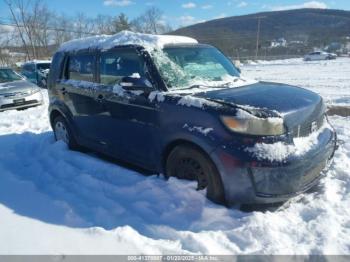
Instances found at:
x=280 y=42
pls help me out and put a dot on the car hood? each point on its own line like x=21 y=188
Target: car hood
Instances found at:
x=16 y=86
x=294 y=104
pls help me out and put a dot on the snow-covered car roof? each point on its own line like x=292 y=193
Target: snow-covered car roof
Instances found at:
x=105 y=42
x=37 y=62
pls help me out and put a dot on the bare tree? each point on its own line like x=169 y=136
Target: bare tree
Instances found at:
x=32 y=19
x=60 y=34
x=39 y=30
x=104 y=24
x=3 y=44
x=8 y=37
x=18 y=26
x=151 y=22
x=83 y=26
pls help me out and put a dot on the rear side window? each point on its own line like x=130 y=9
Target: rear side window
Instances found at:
x=116 y=64
x=43 y=66
x=57 y=69
x=29 y=67
x=81 y=67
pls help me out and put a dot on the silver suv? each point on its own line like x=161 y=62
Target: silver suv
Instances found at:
x=16 y=92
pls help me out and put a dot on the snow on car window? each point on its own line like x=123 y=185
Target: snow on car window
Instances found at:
x=184 y=66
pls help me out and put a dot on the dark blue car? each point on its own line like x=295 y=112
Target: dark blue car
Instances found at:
x=36 y=71
x=173 y=106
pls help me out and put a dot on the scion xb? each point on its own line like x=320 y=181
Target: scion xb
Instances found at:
x=173 y=106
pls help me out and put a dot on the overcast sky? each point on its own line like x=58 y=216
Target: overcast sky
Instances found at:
x=181 y=12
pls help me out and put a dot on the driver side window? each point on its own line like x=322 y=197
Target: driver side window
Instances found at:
x=116 y=64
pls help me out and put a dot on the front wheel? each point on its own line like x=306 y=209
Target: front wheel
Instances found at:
x=63 y=132
x=188 y=162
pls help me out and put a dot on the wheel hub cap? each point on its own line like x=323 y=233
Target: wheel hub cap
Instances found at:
x=61 y=132
x=191 y=170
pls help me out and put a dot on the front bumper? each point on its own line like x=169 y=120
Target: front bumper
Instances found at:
x=251 y=181
x=7 y=103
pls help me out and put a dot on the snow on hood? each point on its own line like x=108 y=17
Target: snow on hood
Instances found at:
x=15 y=86
x=6 y=85
x=106 y=42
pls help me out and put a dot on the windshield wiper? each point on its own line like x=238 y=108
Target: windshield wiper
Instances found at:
x=195 y=86
x=230 y=82
x=227 y=84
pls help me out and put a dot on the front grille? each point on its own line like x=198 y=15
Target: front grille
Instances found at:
x=29 y=102
x=17 y=94
x=290 y=179
x=305 y=129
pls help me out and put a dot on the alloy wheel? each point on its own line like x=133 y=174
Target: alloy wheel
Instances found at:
x=61 y=132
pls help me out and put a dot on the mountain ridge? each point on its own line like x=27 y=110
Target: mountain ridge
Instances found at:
x=311 y=27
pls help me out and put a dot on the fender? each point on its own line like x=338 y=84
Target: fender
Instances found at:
x=195 y=138
x=61 y=108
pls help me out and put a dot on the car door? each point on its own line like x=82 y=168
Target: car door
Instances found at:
x=318 y=56
x=80 y=95
x=130 y=118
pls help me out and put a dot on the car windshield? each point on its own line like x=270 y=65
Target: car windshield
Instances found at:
x=43 y=66
x=184 y=67
x=8 y=75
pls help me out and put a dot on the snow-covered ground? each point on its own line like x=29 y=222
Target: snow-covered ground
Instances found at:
x=55 y=201
x=331 y=78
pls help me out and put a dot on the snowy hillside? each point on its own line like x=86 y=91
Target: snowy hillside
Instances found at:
x=55 y=201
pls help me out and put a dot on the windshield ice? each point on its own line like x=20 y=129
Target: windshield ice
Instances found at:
x=187 y=66
x=8 y=75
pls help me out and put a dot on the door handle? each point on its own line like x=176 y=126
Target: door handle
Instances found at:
x=63 y=90
x=100 y=98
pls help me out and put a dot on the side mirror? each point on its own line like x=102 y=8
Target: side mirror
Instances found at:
x=131 y=83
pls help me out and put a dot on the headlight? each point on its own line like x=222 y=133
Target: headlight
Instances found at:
x=34 y=90
x=254 y=125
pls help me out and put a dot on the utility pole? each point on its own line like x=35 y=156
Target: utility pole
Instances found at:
x=258 y=36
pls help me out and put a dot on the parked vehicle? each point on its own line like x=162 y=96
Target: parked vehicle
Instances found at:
x=16 y=92
x=173 y=106
x=37 y=71
x=319 y=55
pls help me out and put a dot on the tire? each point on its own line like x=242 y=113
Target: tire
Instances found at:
x=62 y=132
x=188 y=162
